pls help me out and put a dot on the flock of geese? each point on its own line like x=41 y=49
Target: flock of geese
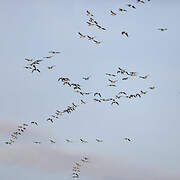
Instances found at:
x=33 y=64
x=121 y=74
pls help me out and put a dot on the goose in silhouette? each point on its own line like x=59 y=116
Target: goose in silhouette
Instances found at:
x=99 y=94
x=81 y=35
x=144 y=77
x=89 y=14
x=54 y=52
x=162 y=29
x=90 y=24
x=153 y=87
x=125 y=33
x=113 y=13
x=52 y=142
x=131 y=6
x=122 y=10
x=51 y=67
x=83 y=141
x=83 y=102
x=33 y=122
x=99 y=140
x=128 y=139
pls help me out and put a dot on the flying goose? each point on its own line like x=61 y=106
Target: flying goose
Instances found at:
x=153 y=87
x=29 y=60
x=68 y=141
x=90 y=24
x=86 y=78
x=125 y=33
x=51 y=67
x=97 y=42
x=112 y=81
x=83 y=102
x=52 y=142
x=162 y=29
x=131 y=6
x=97 y=100
x=83 y=141
x=144 y=77
x=122 y=10
x=113 y=13
x=99 y=140
x=115 y=102
x=37 y=142
x=143 y=92
x=89 y=14
x=54 y=52
x=128 y=139
x=140 y=1
x=111 y=75
x=81 y=35
x=50 y=119
x=126 y=78
x=122 y=92
x=99 y=94
x=48 y=57
x=33 y=122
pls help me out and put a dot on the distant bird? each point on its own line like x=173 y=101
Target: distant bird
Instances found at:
x=52 y=142
x=83 y=141
x=54 y=52
x=68 y=141
x=128 y=139
x=162 y=29
x=89 y=14
x=29 y=60
x=138 y=95
x=153 y=87
x=144 y=77
x=25 y=124
x=111 y=75
x=97 y=42
x=122 y=92
x=51 y=67
x=83 y=102
x=113 y=13
x=90 y=24
x=97 y=100
x=126 y=78
x=90 y=38
x=115 y=102
x=125 y=33
x=140 y=1
x=50 y=119
x=86 y=78
x=48 y=57
x=37 y=142
x=99 y=94
x=99 y=140
x=75 y=175
x=112 y=85
x=143 y=92
x=100 y=27
x=112 y=81
x=33 y=122
x=131 y=6
x=122 y=10
x=91 y=20
x=81 y=35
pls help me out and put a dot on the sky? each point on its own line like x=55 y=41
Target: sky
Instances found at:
x=30 y=29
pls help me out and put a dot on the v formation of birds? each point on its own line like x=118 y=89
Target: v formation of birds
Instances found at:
x=119 y=75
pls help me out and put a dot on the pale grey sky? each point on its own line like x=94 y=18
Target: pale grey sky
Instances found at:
x=32 y=29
